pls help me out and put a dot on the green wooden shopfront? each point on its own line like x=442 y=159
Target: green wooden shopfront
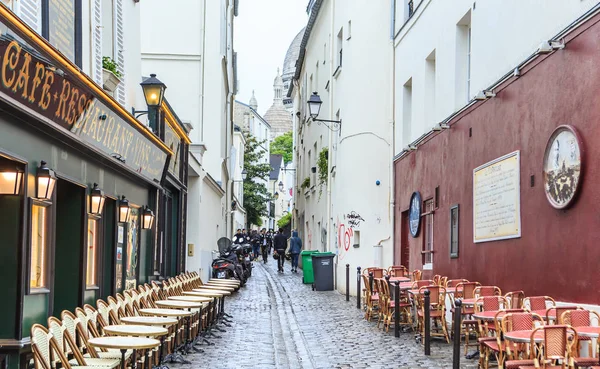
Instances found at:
x=57 y=252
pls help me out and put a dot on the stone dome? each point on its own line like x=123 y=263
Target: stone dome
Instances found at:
x=289 y=63
x=278 y=117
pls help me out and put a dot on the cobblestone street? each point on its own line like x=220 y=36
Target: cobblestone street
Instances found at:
x=280 y=323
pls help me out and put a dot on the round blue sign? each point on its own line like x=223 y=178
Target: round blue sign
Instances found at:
x=414 y=214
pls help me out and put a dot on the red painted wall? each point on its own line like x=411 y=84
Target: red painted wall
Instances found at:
x=558 y=253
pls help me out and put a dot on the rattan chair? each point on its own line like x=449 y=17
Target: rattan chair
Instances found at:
x=515 y=299
x=437 y=314
x=538 y=303
x=555 y=351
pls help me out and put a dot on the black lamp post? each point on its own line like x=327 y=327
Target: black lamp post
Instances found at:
x=280 y=186
x=276 y=195
x=147 y=218
x=11 y=182
x=97 y=199
x=154 y=91
x=314 y=108
x=46 y=179
x=124 y=210
x=244 y=174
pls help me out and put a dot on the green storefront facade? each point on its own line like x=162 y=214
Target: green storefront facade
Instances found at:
x=56 y=253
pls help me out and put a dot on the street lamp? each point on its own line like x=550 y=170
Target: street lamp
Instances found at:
x=244 y=174
x=46 y=179
x=11 y=182
x=124 y=210
x=147 y=218
x=314 y=108
x=154 y=91
x=280 y=186
x=276 y=195
x=97 y=199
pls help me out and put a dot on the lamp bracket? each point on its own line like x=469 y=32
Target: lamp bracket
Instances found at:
x=335 y=126
x=138 y=112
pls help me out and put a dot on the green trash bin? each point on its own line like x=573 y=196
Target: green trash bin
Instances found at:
x=307 y=267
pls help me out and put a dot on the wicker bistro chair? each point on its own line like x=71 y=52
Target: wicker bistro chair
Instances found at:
x=67 y=345
x=451 y=283
x=465 y=290
x=397 y=271
x=555 y=351
x=483 y=291
x=377 y=272
x=388 y=307
x=371 y=300
x=515 y=299
x=437 y=314
x=516 y=353
x=581 y=318
x=416 y=275
x=538 y=303
x=44 y=347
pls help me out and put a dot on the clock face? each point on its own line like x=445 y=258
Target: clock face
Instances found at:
x=562 y=167
x=414 y=214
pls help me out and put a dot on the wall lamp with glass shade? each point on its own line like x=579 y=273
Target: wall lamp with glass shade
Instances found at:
x=124 y=210
x=244 y=176
x=97 y=199
x=11 y=181
x=154 y=91
x=276 y=195
x=280 y=186
x=147 y=218
x=314 y=108
x=46 y=180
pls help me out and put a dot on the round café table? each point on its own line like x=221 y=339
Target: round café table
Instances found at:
x=123 y=344
x=229 y=282
x=406 y=286
x=175 y=304
x=399 y=279
x=524 y=336
x=223 y=292
x=542 y=313
x=165 y=312
x=190 y=298
x=489 y=315
x=592 y=332
x=215 y=294
x=135 y=330
x=149 y=321
x=218 y=287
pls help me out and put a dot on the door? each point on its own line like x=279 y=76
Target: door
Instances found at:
x=404 y=246
x=69 y=281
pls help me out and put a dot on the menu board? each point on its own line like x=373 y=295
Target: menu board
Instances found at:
x=496 y=199
x=61 y=24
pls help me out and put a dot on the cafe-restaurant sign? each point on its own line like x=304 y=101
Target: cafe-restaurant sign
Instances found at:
x=35 y=81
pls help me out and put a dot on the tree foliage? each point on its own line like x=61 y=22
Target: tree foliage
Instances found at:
x=256 y=195
x=284 y=221
x=284 y=145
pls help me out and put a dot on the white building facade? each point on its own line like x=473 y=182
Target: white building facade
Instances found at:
x=192 y=53
x=342 y=204
x=445 y=53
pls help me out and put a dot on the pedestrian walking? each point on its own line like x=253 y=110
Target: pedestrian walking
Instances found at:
x=295 y=248
x=255 y=241
x=238 y=238
x=264 y=247
x=280 y=244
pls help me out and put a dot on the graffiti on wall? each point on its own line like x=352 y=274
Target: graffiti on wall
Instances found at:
x=354 y=219
x=345 y=236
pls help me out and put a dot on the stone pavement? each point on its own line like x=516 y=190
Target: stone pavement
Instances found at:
x=278 y=322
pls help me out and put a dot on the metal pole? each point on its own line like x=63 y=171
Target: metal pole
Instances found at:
x=347 y=282
x=427 y=323
x=371 y=281
x=358 y=288
x=457 y=324
x=396 y=309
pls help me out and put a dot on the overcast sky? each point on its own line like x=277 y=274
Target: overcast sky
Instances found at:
x=263 y=32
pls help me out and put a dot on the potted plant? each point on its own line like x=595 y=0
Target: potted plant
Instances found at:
x=306 y=183
x=111 y=77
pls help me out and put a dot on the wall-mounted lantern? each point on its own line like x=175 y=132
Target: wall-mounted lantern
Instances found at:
x=97 y=199
x=147 y=218
x=124 y=210
x=11 y=181
x=46 y=180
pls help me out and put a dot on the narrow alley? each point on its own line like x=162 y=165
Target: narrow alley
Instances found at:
x=278 y=322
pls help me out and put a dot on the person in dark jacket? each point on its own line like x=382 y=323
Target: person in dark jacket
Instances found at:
x=238 y=238
x=295 y=248
x=255 y=241
x=280 y=244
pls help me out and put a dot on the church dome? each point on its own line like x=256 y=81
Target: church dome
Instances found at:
x=289 y=63
x=278 y=117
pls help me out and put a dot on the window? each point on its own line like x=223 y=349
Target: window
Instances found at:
x=407 y=112
x=428 y=235
x=39 y=246
x=430 y=77
x=91 y=279
x=349 y=30
x=340 y=38
x=454 y=231
x=356 y=243
x=463 y=60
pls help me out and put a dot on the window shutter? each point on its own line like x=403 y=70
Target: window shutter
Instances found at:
x=120 y=45
x=97 y=41
x=30 y=11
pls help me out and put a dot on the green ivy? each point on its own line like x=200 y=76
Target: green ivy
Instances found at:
x=322 y=164
x=306 y=183
x=284 y=221
x=111 y=65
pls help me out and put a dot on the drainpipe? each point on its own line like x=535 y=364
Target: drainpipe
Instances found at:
x=392 y=193
x=329 y=216
x=202 y=62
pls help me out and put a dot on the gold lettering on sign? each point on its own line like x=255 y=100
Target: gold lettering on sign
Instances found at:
x=46 y=98
x=23 y=78
x=62 y=99
x=10 y=61
x=109 y=129
x=37 y=80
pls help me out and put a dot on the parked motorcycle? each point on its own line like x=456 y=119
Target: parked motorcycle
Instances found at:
x=227 y=265
x=246 y=259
